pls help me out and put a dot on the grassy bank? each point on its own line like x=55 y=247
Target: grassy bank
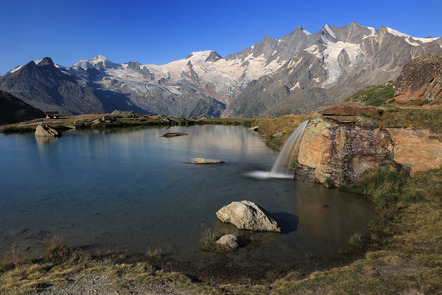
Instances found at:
x=268 y=127
x=109 y=121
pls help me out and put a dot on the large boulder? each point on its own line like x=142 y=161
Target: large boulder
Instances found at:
x=46 y=131
x=248 y=215
x=420 y=79
x=339 y=148
x=336 y=153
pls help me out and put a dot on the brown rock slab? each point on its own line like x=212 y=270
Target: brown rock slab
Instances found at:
x=414 y=148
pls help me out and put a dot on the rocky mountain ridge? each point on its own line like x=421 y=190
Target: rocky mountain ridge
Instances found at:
x=292 y=74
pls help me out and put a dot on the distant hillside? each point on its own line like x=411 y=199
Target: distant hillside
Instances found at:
x=13 y=110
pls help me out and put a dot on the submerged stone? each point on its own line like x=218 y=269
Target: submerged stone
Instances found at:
x=174 y=134
x=229 y=240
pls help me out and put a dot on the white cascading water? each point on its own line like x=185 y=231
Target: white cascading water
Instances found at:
x=289 y=152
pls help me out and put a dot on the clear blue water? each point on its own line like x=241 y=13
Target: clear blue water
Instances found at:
x=131 y=190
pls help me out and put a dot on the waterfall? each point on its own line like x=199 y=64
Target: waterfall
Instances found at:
x=287 y=155
x=289 y=152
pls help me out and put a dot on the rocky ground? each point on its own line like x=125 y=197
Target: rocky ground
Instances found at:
x=99 y=284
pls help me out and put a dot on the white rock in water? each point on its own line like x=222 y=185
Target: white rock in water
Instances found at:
x=248 y=215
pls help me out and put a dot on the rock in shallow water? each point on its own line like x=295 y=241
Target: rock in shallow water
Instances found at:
x=229 y=240
x=248 y=215
x=206 y=161
x=46 y=131
x=174 y=134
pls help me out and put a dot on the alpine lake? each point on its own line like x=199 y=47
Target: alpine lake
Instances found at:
x=133 y=191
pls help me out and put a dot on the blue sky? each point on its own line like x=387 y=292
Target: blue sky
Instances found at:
x=160 y=31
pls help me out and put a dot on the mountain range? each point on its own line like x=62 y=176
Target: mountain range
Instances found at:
x=293 y=74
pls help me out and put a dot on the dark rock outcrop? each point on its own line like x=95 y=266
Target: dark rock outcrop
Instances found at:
x=14 y=110
x=420 y=79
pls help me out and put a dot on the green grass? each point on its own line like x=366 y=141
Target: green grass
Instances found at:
x=430 y=118
x=374 y=95
x=208 y=242
x=270 y=126
x=391 y=189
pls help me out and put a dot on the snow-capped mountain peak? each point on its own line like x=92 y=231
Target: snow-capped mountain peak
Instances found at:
x=397 y=33
x=98 y=62
x=307 y=33
x=329 y=30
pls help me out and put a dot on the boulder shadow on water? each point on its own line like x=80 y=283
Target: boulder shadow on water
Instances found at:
x=287 y=221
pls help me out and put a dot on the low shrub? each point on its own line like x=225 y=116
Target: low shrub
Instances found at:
x=56 y=249
x=358 y=240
